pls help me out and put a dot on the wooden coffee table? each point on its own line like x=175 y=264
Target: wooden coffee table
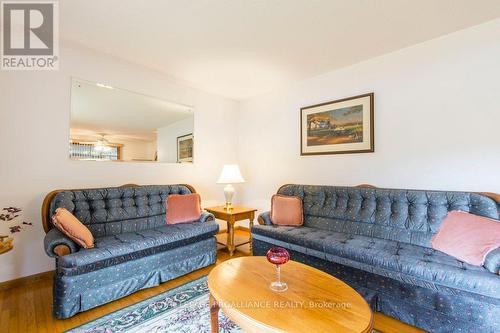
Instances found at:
x=314 y=302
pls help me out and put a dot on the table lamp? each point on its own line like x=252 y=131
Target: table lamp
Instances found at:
x=230 y=175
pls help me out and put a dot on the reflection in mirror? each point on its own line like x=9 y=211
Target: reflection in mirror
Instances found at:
x=110 y=124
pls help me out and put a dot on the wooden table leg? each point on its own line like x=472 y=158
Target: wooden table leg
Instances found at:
x=251 y=239
x=214 y=314
x=230 y=236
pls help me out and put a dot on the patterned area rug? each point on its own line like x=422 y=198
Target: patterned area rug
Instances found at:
x=181 y=310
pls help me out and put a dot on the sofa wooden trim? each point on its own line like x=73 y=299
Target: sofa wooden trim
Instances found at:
x=491 y=195
x=366 y=186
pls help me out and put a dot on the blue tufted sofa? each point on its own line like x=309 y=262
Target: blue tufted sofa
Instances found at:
x=134 y=247
x=377 y=240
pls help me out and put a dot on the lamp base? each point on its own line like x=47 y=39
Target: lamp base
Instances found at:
x=228 y=194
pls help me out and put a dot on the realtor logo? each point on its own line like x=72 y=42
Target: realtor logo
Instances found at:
x=30 y=35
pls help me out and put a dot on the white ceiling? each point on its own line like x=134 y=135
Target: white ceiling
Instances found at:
x=120 y=114
x=242 y=48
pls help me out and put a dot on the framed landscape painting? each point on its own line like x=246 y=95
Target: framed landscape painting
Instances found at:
x=185 y=148
x=339 y=127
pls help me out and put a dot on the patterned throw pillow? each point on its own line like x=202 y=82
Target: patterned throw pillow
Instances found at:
x=467 y=237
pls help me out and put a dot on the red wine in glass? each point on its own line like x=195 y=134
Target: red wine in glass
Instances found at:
x=278 y=256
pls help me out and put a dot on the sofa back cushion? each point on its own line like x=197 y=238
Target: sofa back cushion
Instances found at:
x=410 y=216
x=116 y=210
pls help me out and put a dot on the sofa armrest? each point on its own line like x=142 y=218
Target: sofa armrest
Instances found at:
x=205 y=216
x=57 y=244
x=265 y=218
x=492 y=261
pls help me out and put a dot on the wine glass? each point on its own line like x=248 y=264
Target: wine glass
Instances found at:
x=278 y=256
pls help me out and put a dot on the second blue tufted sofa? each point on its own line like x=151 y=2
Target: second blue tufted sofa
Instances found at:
x=377 y=240
x=134 y=247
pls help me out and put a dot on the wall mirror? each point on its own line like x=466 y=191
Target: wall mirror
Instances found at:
x=112 y=124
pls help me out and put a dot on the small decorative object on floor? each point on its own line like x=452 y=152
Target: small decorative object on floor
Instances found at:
x=278 y=256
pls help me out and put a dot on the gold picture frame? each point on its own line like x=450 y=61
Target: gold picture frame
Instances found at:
x=343 y=126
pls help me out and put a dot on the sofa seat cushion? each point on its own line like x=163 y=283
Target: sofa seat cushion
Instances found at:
x=401 y=261
x=113 y=250
x=304 y=236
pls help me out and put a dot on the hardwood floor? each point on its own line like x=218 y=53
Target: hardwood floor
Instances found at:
x=28 y=306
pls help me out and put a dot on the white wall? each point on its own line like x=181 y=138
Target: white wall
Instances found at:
x=34 y=115
x=167 y=139
x=437 y=116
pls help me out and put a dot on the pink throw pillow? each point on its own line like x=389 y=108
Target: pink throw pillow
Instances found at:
x=69 y=225
x=183 y=208
x=286 y=210
x=467 y=237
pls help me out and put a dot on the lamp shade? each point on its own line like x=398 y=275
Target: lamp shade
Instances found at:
x=230 y=175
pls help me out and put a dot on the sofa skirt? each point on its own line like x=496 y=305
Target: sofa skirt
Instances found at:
x=431 y=310
x=73 y=294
